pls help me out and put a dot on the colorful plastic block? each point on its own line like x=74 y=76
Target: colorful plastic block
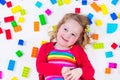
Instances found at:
x=2 y=2
x=95 y=36
x=98 y=45
x=113 y=16
x=48 y=12
x=17 y=28
x=9 y=4
x=36 y=26
x=11 y=65
x=43 y=42
x=112 y=65
x=90 y=16
x=60 y=2
x=8 y=34
x=0 y=74
x=42 y=19
x=14 y=78
x=111 y=27
x=23 y=12
x=1 y=31
x=114 y=2
x=21 y=20
x=108 y=70
x=119 y=15
x=95 y=7
x=67 y=1
x=53 y=1
x=19 y=53
x=104 y=9
x=16 y=9
x=9 y=19
x=38 y=4
x=114 y=45
x=77 y=10
x=21 y=42
x=109 y=54
x=14 y=23
x=34 y=52
x=25 y=72
x=84 y=2
x=98 y=22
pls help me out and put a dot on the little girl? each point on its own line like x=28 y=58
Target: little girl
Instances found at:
x=65 y=58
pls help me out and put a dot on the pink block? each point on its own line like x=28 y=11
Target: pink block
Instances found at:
x=48 y=12
x=1 y=31
x=0 y=74
x=112 y=65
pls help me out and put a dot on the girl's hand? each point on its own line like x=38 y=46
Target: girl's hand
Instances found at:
x=64 y=72
x=73 y=74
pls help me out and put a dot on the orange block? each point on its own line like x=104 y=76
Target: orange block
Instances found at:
x=95 y=7
x=95 y=36
x=17 y=28
x=107 y=70
x=36 y=26
x=34 y=52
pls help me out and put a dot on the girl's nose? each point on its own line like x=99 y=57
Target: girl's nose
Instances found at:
x=67 y=35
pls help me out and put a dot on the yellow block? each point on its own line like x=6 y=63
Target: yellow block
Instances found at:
x=60 y=2
x=14 y=78
x=104 y=9
x=21 y=20
x=16 y=9
x=67 y=1
x=98 y=22
x=119 y=15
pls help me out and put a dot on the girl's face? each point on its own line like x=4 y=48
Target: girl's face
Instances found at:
x=68 y=33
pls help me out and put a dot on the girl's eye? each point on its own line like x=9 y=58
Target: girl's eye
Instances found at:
x=73 y=34
x=65 y=29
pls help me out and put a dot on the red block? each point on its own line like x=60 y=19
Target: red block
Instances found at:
x=9 y=4
x=77 y=10
x=114 y=45
x=1 y=30
x=9 y=19
x=8 y=34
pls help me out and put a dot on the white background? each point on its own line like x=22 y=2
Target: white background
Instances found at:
x=33 y=39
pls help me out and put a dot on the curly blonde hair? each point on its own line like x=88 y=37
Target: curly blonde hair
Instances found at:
x=82 y=20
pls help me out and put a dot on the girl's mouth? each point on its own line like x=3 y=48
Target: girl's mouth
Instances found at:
x=64 y=39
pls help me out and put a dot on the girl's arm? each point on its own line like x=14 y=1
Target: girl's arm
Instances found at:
x=87 y=68
x=41 y=63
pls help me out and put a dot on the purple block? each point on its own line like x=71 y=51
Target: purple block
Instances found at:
x=48 y=12
x=112 y=65
x=0 y=74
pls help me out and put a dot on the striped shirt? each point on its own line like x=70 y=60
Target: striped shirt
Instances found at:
x=63 y=58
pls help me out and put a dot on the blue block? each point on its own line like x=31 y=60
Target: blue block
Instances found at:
x=11 y=65
x=90 y=21
x=113 y=16
x=111 y=27
x=109 y=54
x=90 y=16
x=84 y=2
x=2 y=2
x=53 y=1
x=38 y=4
x=114 y=2
x=21 y=42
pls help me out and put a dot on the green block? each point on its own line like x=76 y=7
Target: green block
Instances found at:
x=14 y=23
x=98 y=45
x=19 y=53
x=23 y=12
x=60 y=2
x=25 y=72
x=42 y=19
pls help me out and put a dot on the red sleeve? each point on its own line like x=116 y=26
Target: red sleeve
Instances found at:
x=42 y=66
x=84 y=63
x=87 y=68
